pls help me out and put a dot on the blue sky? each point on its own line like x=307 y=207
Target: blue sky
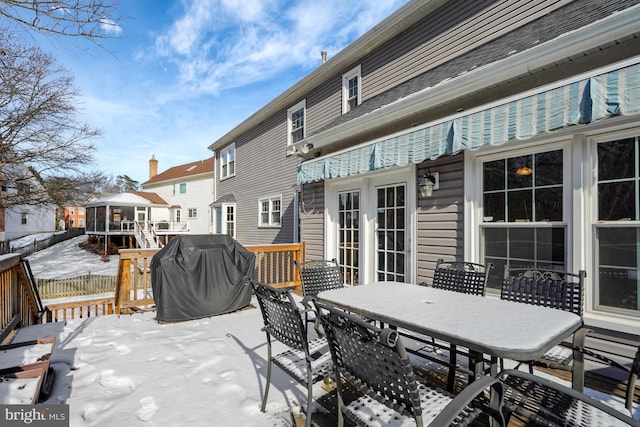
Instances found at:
x=182 y=73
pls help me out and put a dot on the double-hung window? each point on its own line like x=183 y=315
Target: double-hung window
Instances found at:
x=523 y=216
x=351 y=89
x=270 y=210
x=296 y=123
x=192 y=213
x=183 y=188
x=228 y=161
x=617 y=226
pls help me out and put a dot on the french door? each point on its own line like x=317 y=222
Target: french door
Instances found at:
x=368 y=227
x=391 y=233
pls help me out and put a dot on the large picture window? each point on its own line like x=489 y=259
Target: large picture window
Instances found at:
x=617 y=229
x=523 y=214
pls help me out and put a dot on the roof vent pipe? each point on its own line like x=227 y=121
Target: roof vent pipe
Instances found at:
x=324 y=56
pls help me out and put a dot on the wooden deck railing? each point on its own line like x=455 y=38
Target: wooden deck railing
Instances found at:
x=133 y=290
x=79 y=309
x=274 y=264
x=18 y=306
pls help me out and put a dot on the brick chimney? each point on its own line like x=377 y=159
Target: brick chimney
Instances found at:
x=153 y=167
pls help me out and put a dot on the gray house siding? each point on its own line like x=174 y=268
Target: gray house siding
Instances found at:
x=262 y=170
x=440 y=218
x=312 y=219
x=441 y=37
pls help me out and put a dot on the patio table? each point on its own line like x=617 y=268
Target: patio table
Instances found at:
x=486 y=326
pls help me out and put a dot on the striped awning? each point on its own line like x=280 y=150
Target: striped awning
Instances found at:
x=585 y=101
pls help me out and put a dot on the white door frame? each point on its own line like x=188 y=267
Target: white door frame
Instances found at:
x=367 y=185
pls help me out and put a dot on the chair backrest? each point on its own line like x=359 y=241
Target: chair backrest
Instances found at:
x=373 y=360
x=460 y=276
x=318 y=276
x=545 y=287
x=282 y=318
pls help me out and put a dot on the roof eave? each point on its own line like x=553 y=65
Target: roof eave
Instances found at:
x=619 y=26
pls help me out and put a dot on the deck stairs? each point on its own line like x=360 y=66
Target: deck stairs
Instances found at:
x=146 y=239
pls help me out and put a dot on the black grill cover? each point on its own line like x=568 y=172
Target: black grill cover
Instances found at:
x=198 y=276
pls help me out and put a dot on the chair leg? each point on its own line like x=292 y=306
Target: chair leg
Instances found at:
x=309 y=395
x=340 y=401
x=453 y=362
x=268 y=382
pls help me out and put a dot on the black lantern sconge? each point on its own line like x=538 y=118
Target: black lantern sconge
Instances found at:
x=427 y=183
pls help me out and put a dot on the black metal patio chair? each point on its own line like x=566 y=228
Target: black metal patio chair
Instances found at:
x=375 y=363
x=548 y=403
x=461 y=276
x=560 y=290
x=317 y=276
x=307 y=362
x=464 y=277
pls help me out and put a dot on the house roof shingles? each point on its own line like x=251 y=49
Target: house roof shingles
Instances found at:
x=187 y=170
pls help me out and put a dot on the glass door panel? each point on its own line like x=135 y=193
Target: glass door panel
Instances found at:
x=391 y=233
x=349 y=236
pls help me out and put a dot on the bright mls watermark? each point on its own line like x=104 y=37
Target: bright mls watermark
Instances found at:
x=34 y=415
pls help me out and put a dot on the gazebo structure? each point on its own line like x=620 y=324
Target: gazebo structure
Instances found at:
x=136 y=219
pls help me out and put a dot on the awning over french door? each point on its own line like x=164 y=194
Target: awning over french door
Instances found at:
x=587 y=100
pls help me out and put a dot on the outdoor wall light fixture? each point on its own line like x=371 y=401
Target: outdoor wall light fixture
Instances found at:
x=306 y=148
x=428 y=182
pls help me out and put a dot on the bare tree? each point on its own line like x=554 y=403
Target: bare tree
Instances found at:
x=79 y=189
x=92 y=20
x=38 y=121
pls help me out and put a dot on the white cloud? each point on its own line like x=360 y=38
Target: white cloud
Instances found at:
x=110 y=27
x=222 y=44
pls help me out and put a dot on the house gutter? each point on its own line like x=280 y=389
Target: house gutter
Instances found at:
x=619 y=26
x=397 y=22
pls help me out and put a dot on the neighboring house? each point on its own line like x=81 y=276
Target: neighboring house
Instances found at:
x=74 y=217
x=188 y=189
x=24 y=219
x=126 y=219
x=526 y=116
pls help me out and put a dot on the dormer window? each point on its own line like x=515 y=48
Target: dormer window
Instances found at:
x=351 y=90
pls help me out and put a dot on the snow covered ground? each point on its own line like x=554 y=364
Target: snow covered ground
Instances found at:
x=130 y=370
x=66 y=259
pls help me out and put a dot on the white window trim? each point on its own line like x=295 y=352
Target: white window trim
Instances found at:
x=270 y=199
x=580 y=229
x=195 y=210
x=300 y=105
x=355 y=72
x=219 y=213
x=367 y=185
x=223 y=154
